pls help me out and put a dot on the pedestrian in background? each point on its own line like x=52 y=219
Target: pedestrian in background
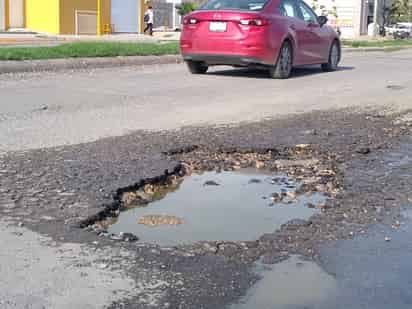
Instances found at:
x=148 y=19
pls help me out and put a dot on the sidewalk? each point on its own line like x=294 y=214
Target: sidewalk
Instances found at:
x=25 y=39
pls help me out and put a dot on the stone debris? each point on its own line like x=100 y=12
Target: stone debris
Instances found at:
x=156 y=220
x=253 y=180
x=302 y=146
x=211 y=183
x=259 y=164
x=363 y=150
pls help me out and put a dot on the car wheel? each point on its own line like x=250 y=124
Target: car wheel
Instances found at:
x=334 y=57
x=196 y=67
x=283 y=67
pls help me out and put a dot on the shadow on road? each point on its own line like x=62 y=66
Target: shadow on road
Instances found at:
x=262 y=74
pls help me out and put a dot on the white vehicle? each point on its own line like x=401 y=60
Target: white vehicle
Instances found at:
x=402 y=28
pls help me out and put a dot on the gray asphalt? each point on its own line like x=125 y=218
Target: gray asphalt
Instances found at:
x=50 y=109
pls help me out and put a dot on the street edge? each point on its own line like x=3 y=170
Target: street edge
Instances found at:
x=373 y=49
x=84 y=63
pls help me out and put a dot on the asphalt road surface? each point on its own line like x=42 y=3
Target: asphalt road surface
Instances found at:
x=44 y=188
x=49 y=109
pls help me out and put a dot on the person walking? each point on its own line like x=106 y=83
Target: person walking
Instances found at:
x=148 y=19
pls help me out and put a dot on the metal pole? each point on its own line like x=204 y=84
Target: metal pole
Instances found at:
x=375 y=18
x=174 y=15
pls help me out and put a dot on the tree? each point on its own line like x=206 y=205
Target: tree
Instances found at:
x=401 y=11
x=185 y=8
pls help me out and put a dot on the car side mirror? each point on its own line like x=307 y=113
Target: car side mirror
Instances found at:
x=322 y=20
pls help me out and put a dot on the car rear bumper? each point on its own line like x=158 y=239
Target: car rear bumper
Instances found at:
x=234 y=60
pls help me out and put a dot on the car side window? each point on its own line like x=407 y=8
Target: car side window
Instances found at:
x=288 y=8
x=307 y=14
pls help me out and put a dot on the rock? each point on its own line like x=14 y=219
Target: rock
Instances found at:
x=310 y=132
x=186 y=169
x=291 y=194
x=310 y=205
x=254 y=180
x=302 y=146
x=259 y=164
x=388 y=238
x=211 y=183
x=139 y=197
x=326 y=172
x=104 y=234
x=47 y=218
x=295 y=224
x=228 y=249
x=156 y=220
x=292 y=163
x=276 y=197
x=363 y=150
x=208 y=247
x=148 y=189
x=21 y=224
x=129 y=237
x=320 y=188
x=115 y=237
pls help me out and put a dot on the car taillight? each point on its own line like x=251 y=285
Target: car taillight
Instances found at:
x=190 y=21
x=253 y=22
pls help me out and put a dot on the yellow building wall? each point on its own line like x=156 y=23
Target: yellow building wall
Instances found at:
x=43 y=16
x=68 y=13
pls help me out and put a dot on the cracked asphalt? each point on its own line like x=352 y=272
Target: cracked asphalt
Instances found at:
x=70 y=140
x=52 y=109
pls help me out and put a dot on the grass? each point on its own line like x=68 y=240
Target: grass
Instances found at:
x=383 y=43
x=88 y=49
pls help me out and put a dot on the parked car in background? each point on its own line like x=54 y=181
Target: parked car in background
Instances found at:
x=399 y=30
x=275 y=35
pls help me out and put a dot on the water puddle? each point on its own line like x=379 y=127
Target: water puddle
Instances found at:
x=227 y=206
x=291 y=284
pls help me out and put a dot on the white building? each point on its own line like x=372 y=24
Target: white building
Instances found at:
x=2 y=16
x=349 y=16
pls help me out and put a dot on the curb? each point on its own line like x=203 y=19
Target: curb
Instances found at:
x=84 y=63
x=373 y=49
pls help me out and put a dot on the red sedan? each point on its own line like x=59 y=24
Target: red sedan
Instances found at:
x=272 y=34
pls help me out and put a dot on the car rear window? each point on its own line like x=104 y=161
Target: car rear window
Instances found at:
x=243 y=5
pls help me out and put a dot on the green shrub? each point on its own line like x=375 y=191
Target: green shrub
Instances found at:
x=185 y=8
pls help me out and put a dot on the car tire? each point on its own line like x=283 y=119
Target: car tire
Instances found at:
x=334 y=58
x=196 y=67
x=284 y=64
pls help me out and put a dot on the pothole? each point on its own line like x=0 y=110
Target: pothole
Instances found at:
x=227 y=206
x=223 y=197
x=293 y=283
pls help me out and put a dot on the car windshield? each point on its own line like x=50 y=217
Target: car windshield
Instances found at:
x=244 y=5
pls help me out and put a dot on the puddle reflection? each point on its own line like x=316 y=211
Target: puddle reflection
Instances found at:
x=234 y=206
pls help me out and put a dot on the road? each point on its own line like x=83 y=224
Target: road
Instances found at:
x=49 y=109
x=45 y=190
